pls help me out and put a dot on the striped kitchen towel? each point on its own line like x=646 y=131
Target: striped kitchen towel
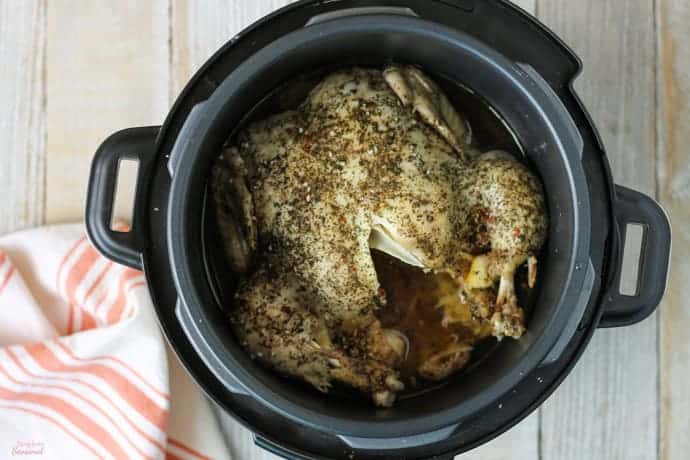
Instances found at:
x=84 y=370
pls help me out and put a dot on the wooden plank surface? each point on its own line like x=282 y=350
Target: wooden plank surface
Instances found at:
x=22 y=117
x=607 y=408
x=519 y=443
x=674 y=191
x=528 y=5
x=107 y=69
x=200 y=28
x=69 y=80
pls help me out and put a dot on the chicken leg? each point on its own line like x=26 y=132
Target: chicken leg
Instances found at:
x=271 y=320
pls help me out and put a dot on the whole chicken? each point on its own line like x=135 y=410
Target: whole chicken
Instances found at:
x=371 y=160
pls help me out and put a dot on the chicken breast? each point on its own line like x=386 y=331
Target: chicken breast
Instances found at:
x=371 y=160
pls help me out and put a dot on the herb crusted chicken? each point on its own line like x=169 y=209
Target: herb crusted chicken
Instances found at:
x=371 y=160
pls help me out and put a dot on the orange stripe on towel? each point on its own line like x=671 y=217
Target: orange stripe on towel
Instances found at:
x=187 y=449
x=137 y=399
x=71 y=413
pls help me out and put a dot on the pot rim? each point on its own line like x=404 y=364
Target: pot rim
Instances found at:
x=201 y=335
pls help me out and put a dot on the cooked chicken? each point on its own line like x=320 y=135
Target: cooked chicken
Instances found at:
x=352 y=169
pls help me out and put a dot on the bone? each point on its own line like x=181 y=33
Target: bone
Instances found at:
x=398 y=342
x=506 y=292
x=531 y=271
x=394 y=384
x=508 y=318
x=384 y=398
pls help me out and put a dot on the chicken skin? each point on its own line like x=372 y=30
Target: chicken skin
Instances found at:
x=371 y=160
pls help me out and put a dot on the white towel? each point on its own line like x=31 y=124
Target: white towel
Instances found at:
x=84 y=369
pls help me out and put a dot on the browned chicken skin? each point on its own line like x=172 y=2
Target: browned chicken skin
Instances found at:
x=353 y=169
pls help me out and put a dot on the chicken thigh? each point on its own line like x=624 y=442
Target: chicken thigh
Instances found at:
x=372 y=160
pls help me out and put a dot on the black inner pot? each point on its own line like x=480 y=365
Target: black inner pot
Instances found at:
x=541 y=127
x=489 y=132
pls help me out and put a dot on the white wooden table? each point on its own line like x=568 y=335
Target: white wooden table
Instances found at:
x=73 y=71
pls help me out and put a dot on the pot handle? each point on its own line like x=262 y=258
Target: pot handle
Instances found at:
x=134 y=144
x=632 y=207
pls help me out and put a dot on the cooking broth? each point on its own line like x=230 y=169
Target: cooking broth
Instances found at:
x=415 y=305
